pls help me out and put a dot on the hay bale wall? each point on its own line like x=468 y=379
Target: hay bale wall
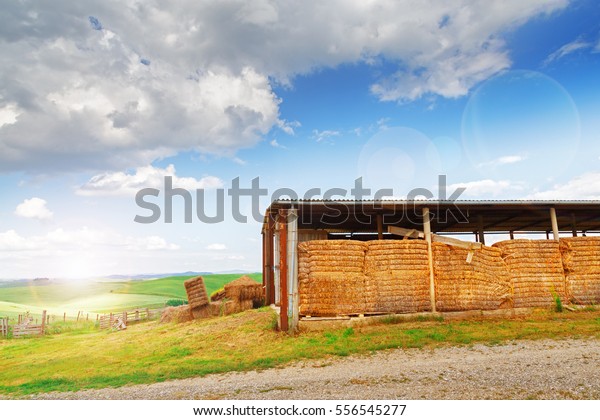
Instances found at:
x=484 y=283
x=581 y=262
x=331 y=278
x=536 y=271
x=397 y=276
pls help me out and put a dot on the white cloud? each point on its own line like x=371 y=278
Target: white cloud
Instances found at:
x=275 y=144
x=60 y=240
x=132 y=83
x=288 y=126
x=503 y=160
x=121 y=183
x=216 y=247
x=485 y=188
x=325 y=134
x=567 y=49
x=582 y=187
x=34 y=208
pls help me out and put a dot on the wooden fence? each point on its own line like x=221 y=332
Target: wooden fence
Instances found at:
x=128 y=317
x=3 y=327
x=26 y=328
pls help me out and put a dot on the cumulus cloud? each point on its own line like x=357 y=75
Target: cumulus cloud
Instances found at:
x=583 y=187
x=485 y=188
x=135 y=82
x=34 y=208
x=121 y=183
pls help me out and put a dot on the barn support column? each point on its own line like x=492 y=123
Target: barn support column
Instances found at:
x=268 y=260
x=427 y=232
x=379 y=227
x=283 y=269
x=574 y=225
x=554 y=223
x=292 y=269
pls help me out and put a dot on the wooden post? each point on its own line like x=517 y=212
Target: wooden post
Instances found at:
x=87 y=317
x=379 y=227
x=511 y=234
x=271 y=260
x=43 y=322
x=292 y=265
x=554 y=223
x=480 y=229
x=47 y=319
x=78 y=312
x=427 y=231
x=97 y=317
x=574 y=225
x=64 y=317
x=283 y=310
x=547 y=234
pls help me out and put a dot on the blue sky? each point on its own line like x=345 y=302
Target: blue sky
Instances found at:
x=101 y=99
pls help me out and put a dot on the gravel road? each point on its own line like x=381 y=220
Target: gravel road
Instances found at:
x=547 y=369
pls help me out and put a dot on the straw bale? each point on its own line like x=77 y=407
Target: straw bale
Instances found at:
x=222 y=308
x=176 y=314
x=581 y=261
x=536 y=271
x=397 y=276
x=460 y=286
x=196 y=292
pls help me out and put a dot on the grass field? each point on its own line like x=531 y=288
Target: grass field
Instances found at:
x=153 y=352
x=99 y=297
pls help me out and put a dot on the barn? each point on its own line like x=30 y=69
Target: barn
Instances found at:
x=338 y=258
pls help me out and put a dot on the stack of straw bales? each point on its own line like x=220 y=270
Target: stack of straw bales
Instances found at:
x=397 y=276
x=581 y=261
x=197 y=296
x=245 y=293
x=482 y=283
x=536 y=271
x=331 y=278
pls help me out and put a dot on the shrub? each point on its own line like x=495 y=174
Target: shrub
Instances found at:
x=176 y=302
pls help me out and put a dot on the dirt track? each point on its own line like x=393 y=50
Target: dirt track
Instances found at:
x=566 y=369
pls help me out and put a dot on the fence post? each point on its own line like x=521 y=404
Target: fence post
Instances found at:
x=64 y=317
x=43 y=322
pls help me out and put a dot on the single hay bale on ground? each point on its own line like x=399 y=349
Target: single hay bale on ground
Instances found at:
x=222 y=308
x=196 y=293
x=484 y=283
x=176 y=314
x=536 y=271
x=245 y=289
x=397 y=276
x=581 y=262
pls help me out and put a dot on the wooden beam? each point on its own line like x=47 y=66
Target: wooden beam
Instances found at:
x=554 y=223
x=427 y=233
x=456 y=242
x=283 y=294
x=407 y=233
x=379 y=227
x=480 y=229
x=511 y=234
x=574 y=224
